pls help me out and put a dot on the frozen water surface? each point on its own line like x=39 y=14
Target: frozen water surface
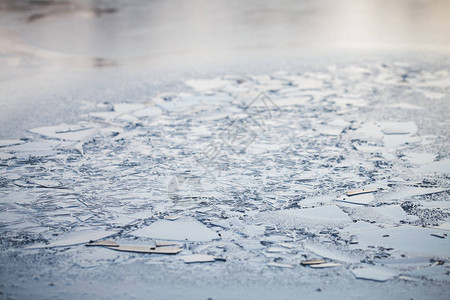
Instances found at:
x=240 y=184
x=249 y=169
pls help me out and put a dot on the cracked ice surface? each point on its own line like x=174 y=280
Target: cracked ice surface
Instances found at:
x=256 y=178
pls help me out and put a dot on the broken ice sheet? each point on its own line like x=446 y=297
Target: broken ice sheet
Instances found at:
x=373 y=273
x=10 y=217
x=433 y=95
x=275 y=250
x=35 y=146
x=442 y=166
x=363 y=191
x=76 y=132
x=312 y=262
x=278 y=265
x=329 y=130
x=305 y=83
x=21 y=197
x=199 y=258
x=436 y=273
x=332 y=252
x=317 y=200
x=193 y=102
x=274 y=177
x=404 y=263
x=334 y=127
x=325 y=265
x=146 y=249
x=128 y=107
x=5 y=156
x=362 y=199
x=104 y=243
x=4 y=143
x=105 y=115
x=407 y=239
x=397 y=128
x=444 y=226
x=394 y=141
x=420 y=158
x=385 y=214
x=76 y=238
x=179 y=230
x=292 y=101
x=322 y=216
x=369 y=129
x=443 y=205
x=349 y=102
x=151 y=111
x=48 y=183
x=405 y=105
x=206 y=84
x=411 y=191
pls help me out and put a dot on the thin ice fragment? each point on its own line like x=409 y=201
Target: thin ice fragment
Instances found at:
x=442 y=166
x=360 y=198
x=147 y=249
x=4 y=143
x=77 y=132
x=178 y=230
x=76 y=238
x=363 y=191
x=399 y=128
x=372 y=273
x=206 y=84
x=406 y=239
x=411 y=191
x=278 y=265
x=312 y=262
x=198 y=258
x=325 y=265
x=321 y=216
x=105 y=243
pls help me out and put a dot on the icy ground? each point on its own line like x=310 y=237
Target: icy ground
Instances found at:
x=254 y=172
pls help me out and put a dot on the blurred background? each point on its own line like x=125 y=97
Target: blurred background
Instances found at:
x=56 y=55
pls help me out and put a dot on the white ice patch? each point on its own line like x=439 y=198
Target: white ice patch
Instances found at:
x=386 y=214
x=178 y=230
x=398 y=127
x=442 y=166
x=332 y=253
x=323 y=216
x=411 y=191
x=76 y=238
x=4 y=143
x=193 y=102
x=394 y=140
x=305 y=83
x=373 y=273
x=151 y=111
x=361 y=199
x=292 y=101
x=21 y=197
x=405 y=105
x=206 y=84
x=40 y=146
x=128 y=107
x=369 y=129
x=406 y=239
x=444 y=226
x=77 y=132
x=420 y=158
